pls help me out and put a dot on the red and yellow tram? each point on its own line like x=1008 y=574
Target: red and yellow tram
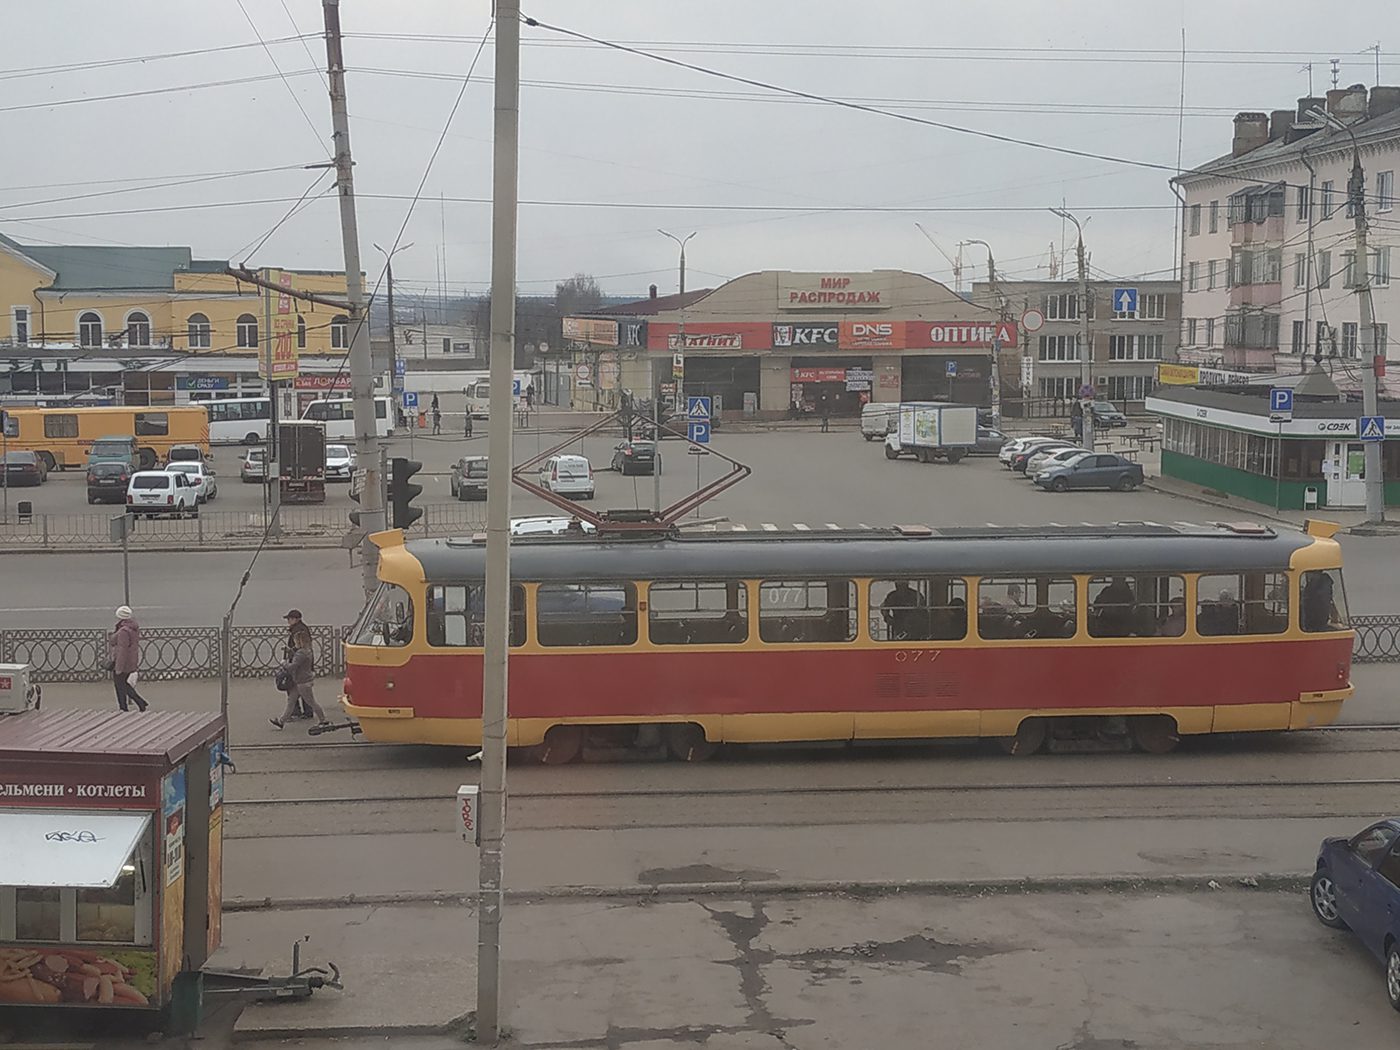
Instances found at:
x=1138 y=632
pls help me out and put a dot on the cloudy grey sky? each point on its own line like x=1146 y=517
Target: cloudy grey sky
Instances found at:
x=668 y=147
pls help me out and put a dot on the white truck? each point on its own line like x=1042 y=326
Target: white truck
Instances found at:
x=930 y=430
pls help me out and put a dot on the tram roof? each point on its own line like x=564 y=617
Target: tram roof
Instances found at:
x=1126 y=548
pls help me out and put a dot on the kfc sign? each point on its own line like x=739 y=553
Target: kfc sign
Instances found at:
x=936 y=335
x=837 y=291
x=813 y=335
x=705 y=341
x=872 y=335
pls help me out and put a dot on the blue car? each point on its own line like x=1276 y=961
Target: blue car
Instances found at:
x=1357 y=887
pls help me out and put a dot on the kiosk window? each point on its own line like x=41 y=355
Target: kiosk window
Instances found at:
x=807 y=610
x=1242 y=603
x=1125 y=606
x=928 y=609
x=602 y=613
x=38 y=914
x=456 y=615
x=1026 y=607
x=387 y=620
x=713 y=612
x=108 y=916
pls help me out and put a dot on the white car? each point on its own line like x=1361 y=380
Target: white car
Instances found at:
x=340 y=462
x=1020 y=444
x=568 y=476
x=161 y=492
x=200 y=475
x=1051 y=456
x=546 y=525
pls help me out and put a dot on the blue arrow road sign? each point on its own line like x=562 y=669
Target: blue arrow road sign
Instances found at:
x=410 y=399
x=698 y=432
x=698 y=408
x=1125 y=300
x=1371 y=428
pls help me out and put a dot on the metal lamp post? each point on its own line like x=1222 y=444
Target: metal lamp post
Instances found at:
x=1086 y=364
x=682 y=242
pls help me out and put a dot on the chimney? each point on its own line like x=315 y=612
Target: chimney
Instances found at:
x=653 y=291
x=1383 y=100
x=1347 y=104
x=1280 y=120
x=1308 y=103
x=1251 y=132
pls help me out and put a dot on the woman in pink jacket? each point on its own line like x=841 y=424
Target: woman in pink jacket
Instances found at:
x=125 y=658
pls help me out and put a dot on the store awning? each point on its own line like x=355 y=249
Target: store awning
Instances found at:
x=66 y=847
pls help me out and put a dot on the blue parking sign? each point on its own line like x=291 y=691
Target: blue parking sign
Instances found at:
x=698 y=433
x=410 y=399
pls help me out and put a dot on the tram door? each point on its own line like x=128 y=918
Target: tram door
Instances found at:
x=1346 y=474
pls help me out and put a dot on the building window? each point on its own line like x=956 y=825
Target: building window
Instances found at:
x=1349 y=338
x=247 y=332
x=138 y=329
x=1193 y=276
x=1302 y=203
x=1324 y=269
x=1059 y=348
x=1322 y=339
x=1350 y=277
x=1385 y=190
x=1210 y=275
x=340 y=332
x=1210 y=331
x=1380 y=266
x=1195 y=219
x=1153 y=307
x=1063 y=307
x=1214 y=216
x=1130 y=388
x=1273 y=266
x=89 y=329
x=19 y=319
x=200 y=334
x=1329 y=201
x=1190 y=331
x=301 y=332
x=1135 y=347
x=1059 y=387
x=1299 y=332
x=1300 y=269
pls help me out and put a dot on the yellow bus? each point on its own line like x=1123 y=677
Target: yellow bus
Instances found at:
x=62 y=437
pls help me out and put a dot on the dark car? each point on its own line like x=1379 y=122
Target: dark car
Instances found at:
x=107 y=480
x=1106 y=414
x=635 y=457
x=989 y=442
x=1357 y=886
x=23 y=468
x=117 y=448
x=1092 y=470
x=468 y=480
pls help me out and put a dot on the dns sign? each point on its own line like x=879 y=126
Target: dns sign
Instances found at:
x=467 y=814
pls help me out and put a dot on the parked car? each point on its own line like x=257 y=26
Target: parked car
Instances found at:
x=117 y=448
x=340 y=462
x=1092 y=470
x=186 y=454
x=546 y=525
x=1020 y=444
x=568 y=476
x=24 y=468
x=201 y=476
x=254 y=465
x=1106 y=414
x=1022 y=459
x=1050 y=455
x=468 y=480
x=1356 y=886
x=878 y=418
x=161 y=492
x=636 y=457
x=107 y=480
x=989 y=442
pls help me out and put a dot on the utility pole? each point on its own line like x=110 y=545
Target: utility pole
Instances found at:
x=396 y=381
x=1086 y=362
x=272 y=479
x=361 y=361
x=682 y=242
x=505 y=190
x=1004 y=313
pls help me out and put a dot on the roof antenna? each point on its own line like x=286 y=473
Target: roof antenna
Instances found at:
x=1308 y=70
x=1336 y=72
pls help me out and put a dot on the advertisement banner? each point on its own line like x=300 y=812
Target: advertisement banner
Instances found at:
x=107 y=789
x=705 y=341
x=279 y=359
x=872 y=335
x=338 y=381
x=172 y=895
x=1178 y=375
x=833 y=291
x=818 y=375
x=806 y=336
x=201 y=382
x=979 y=335
x=595 y=330
x=50 y=975
x=710 y=335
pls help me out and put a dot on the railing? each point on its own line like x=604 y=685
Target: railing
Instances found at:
x=80 y=655
x=215 y=528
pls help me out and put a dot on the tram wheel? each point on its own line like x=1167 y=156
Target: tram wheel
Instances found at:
x=1030 y=737
x=562 y=745
x=1155 y=734
x=686 y=742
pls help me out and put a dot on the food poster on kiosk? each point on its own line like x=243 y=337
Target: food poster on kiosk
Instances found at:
x=216 y=846
x=172 y=882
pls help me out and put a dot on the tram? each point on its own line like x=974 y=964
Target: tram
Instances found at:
x=1130 y=634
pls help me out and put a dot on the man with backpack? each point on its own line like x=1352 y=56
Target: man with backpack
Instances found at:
x=300 y=668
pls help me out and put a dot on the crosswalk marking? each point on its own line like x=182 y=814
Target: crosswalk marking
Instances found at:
x=768 y=527
x=862 y=525
x=832 y=525
x=739 y=528
x=801 y=527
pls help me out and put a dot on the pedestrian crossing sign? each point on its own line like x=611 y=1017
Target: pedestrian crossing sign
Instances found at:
x=1371 y=428
x=697 y=408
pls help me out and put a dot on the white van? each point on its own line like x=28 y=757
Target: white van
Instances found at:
x=568 y=476
x=338 y=416
x=877 y=420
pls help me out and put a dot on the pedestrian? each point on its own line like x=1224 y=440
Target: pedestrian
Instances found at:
x=468 y=426
x=530 y=395
x=300 y=667
x=826 y=415
x=437 y=418
x=436 y=406
x=124 y=659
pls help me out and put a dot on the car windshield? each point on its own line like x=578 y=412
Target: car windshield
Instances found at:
x=151 y=481
x=184 y=468
x=476 y=468
x=256 y=456
x=107 y=469
x=1071 y=460
x=337 y=451
x=20 y=457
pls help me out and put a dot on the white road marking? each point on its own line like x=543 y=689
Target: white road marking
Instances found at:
x=801 y=527
x=767 y=527
x=736 y=527
x=833 y=525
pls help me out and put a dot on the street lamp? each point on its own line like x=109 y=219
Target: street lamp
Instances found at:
x=682 y=242
x=991 y=263
x=1086 y=386
x=394 y=383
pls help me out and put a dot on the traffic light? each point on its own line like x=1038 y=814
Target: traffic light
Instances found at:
x=402 y=492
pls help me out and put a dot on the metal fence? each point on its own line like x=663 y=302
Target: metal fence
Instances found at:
x=217 y=528
x=80 y=655
x=167 y=653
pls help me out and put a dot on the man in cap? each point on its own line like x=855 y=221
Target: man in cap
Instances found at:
x=300 y=666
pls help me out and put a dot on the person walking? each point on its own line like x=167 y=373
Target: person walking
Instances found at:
x=437 y=420
x=300 y=666
x=826 y=416
x=530 y=395
x=124 y=659
x=468 y=424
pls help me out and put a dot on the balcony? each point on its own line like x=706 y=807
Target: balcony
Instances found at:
x=1270 y=231
x=1258 y=296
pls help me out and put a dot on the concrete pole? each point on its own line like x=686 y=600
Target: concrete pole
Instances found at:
x=495 y=670
x=1086 y=366
x=361 y=361
x=1375 y=480
x=393 y=339
x=272 y=483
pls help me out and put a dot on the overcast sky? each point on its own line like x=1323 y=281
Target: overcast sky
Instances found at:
x=599 y=126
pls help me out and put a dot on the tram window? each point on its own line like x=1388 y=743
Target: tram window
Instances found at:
x=1126 y=606
x=807 y=611
x=586 y=613
x=923 y=609
x=387 y=620
x=1322 y=603
x=712 y=612
x=456 y=615
x=1242 y=603
x=1026 y=607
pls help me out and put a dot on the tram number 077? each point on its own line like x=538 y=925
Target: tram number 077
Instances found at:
x=914 y=656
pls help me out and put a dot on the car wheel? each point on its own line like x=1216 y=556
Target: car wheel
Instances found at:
x=1322 y=892
x=91 y=500
x=1126 y=484
x=1060 y=485
x=1392 y=975
x=890 y=453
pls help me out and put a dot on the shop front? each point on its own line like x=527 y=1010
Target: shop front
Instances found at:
x=111 y=831
x=831 y=387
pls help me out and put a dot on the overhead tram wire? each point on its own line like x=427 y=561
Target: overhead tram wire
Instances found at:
x=172 y=89
x=281 y=75
x=191 y=180
x=106 y=63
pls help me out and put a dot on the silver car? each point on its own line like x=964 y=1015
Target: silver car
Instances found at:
x=1051 y=456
